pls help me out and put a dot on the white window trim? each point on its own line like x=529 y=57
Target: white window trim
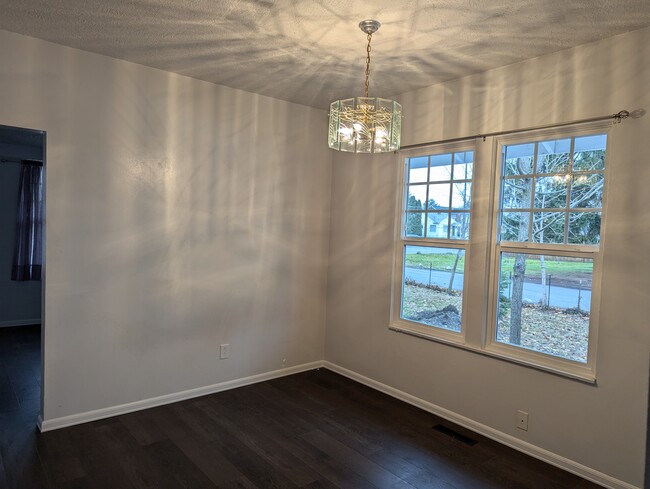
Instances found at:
x=488 y=346
x=397 y=323
x=535 y=358
x=585 y=371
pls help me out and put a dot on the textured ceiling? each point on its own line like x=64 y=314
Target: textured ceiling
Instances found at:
x=312 y=52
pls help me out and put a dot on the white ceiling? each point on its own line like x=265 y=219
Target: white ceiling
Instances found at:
x=312 y=52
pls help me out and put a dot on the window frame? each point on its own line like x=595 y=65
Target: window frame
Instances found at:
x=536 y=358
x=397 y=323
x=479 y=336
x=585 y=371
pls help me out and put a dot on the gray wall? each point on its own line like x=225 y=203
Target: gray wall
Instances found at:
x=602 y=427
x=180 y=215
x=20 y=302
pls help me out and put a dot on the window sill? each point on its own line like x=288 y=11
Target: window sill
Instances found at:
x=432 y=333
x=577 y=372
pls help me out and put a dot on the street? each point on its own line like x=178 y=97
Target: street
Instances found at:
x=562 y=297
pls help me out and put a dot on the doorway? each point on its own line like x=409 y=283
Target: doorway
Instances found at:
x=22 y=207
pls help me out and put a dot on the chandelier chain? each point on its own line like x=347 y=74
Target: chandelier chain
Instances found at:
x=368 y=63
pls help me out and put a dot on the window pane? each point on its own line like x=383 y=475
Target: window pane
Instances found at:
x=589 y=153
x=584 y=228
x=563 y=186
x=440 y=168
x=544 y=304
x=553 y=156
x=432 y=288
x=439 y=196
x=414 y=224
x=514 y=226
x=463 y=165
x=417 y=197
x=550 y=192
x=518 y=159
x=548 y=227
x=459 y=225
x=587 y=190
x=418 y=169
x=438 y=225
x=517 y=193
x=461 y=195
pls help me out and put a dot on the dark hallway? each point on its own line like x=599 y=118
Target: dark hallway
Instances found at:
x=20 y=371
x=20 y=393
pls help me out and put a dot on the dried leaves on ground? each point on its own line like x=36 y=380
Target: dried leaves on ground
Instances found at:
x=550 y=331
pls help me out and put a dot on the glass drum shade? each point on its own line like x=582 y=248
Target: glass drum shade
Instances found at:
x=365 y=125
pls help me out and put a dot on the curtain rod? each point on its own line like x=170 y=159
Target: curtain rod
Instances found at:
x=618 y=117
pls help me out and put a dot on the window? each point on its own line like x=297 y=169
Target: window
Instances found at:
x=532 y=277
x=552 y=191
x=435 y=231
x=548 y=234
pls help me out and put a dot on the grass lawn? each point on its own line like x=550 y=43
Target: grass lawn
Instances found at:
x=434 y=260
x=559 y=267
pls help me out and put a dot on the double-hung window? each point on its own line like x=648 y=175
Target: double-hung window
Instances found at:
x=535 y=279
x=434 y=238
x=547 y=225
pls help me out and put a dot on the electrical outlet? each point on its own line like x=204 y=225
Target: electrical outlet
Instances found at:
x=522 y=420
x=284 y=362
x=224 y=351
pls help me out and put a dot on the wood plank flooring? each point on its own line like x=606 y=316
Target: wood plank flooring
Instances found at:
x=315 y=430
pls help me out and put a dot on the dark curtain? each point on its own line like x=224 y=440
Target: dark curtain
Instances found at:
x=28 y=247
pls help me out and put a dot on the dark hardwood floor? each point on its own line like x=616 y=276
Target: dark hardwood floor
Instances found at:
x=314 y=430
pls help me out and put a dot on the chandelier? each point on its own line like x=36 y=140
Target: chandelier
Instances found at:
x=365 y=124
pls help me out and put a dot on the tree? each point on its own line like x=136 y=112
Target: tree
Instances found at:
x=433 y=205
x=463 y=191
x=585 y=192
x=453 y=271
x=586 y=227
x=516 y=226
x=414 y=220
x=518 y=275
x=550 y=192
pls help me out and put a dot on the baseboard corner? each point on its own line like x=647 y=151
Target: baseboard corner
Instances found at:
x=108 y=412
x=498 y=436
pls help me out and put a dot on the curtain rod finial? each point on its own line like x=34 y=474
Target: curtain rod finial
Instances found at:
x=619 y=116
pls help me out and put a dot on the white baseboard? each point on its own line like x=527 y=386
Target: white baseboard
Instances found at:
x=503 y=438
x=19 y=322
x=74 y=419
x=525 y=447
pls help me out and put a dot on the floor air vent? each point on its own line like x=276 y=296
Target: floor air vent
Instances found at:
x=455 y=435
